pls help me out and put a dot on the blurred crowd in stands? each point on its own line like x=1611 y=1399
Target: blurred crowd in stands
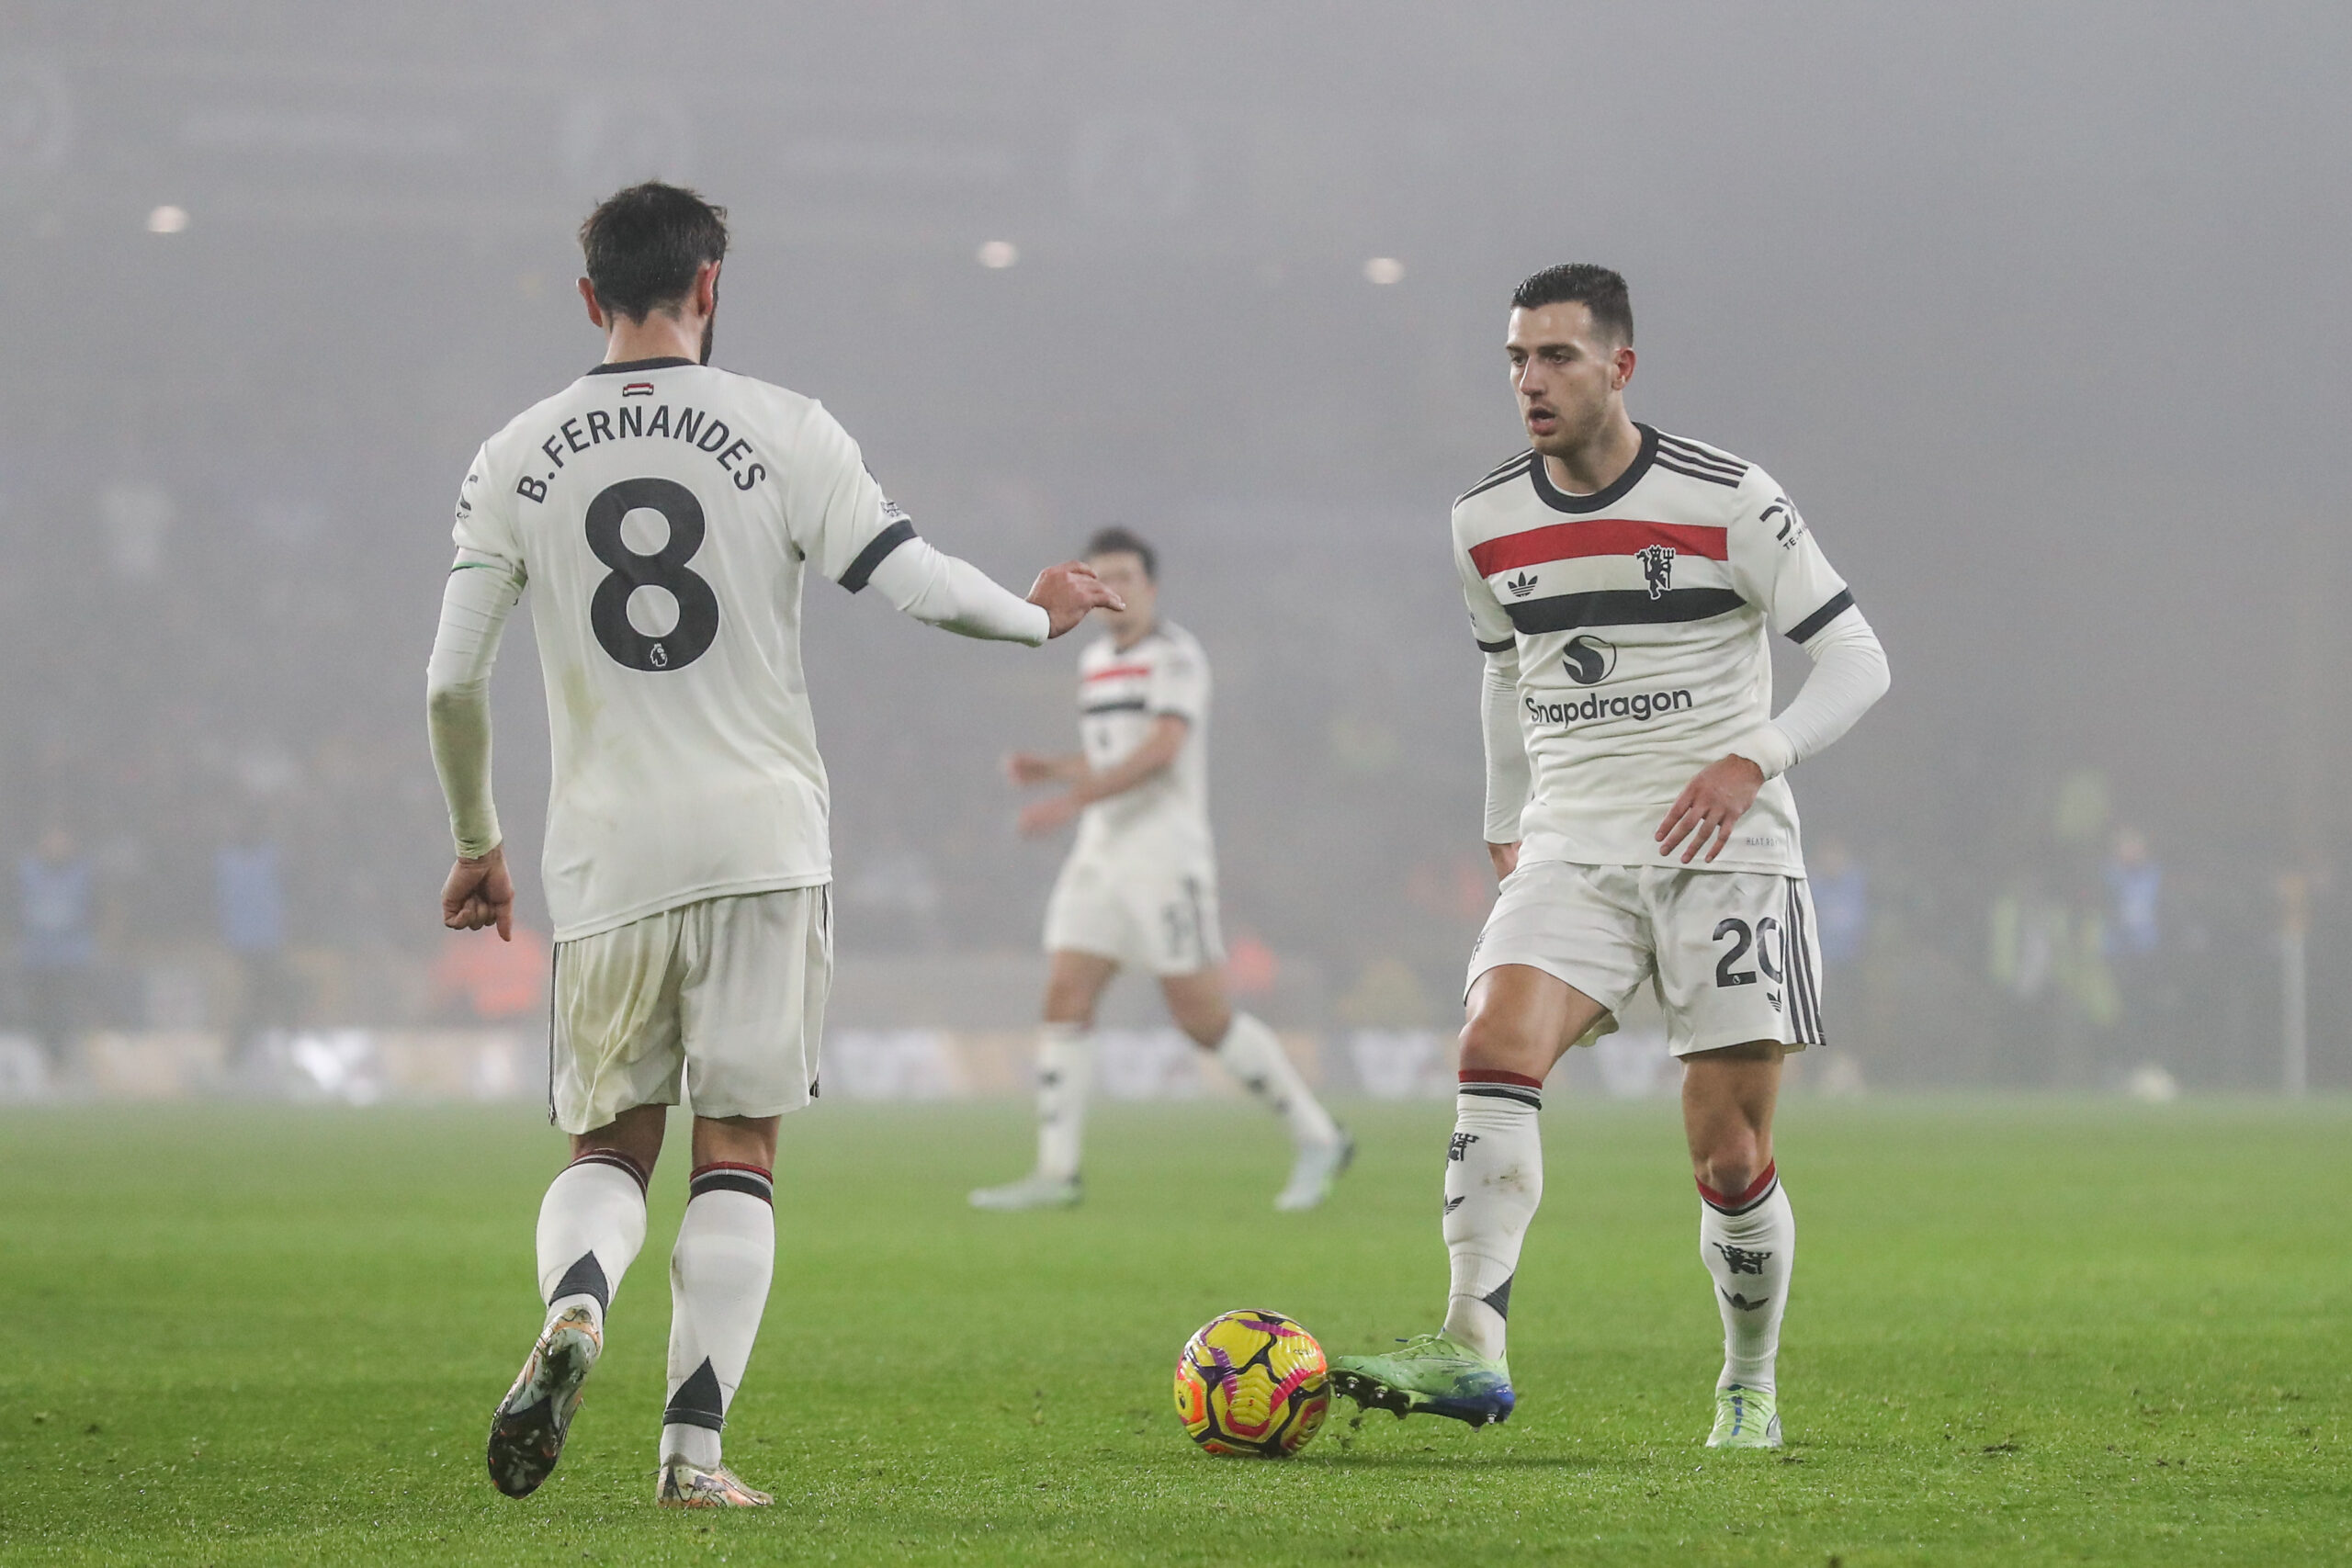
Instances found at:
x=2077 y=965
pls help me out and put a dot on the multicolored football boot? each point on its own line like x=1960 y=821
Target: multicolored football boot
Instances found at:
x=1434 y=1374
x=680 y=1484
x=527 y=1431
x=1745 y=1418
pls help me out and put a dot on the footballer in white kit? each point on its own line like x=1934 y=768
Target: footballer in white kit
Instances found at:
x=664 y=514
x=1622 y=583
x=1138 y=890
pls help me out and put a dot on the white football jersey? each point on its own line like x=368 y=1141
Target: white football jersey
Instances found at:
x=1120 y=692
x=1640 y=615
x=663 y=514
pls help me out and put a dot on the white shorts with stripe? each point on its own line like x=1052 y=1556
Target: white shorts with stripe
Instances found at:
x=1158 y=917
x=727 y=994
x=1731 y=952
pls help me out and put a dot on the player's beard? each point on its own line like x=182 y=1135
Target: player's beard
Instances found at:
x=709 y=323
x=1574 y=430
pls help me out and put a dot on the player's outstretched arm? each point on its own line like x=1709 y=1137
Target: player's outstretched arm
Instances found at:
x=939 y=590
x=1159 y=749
x=1069 y=593
x=481 y=589
x=1026 y=768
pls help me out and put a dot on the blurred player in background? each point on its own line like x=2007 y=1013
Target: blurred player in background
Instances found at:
x=1139 y=887
x=1622 y=583
x=666 y=513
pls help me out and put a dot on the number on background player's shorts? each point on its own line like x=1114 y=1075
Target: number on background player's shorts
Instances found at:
x=1157 y=923
x=1731 y=952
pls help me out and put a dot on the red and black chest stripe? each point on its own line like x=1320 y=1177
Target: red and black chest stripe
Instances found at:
x=1114 y=688
x=1546 y=578
x=1540 y=596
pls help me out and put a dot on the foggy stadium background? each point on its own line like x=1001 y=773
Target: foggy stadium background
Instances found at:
x=2036 y=311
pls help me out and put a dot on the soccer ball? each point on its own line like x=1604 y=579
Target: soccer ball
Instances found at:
x=1252 y=1382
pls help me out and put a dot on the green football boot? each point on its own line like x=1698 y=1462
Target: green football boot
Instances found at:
x=1745 y=1418
x=1434 y=1374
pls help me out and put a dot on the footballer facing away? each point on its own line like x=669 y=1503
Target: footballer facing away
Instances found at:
x=1621 y=582
x=1139 y=887
x=666 y=511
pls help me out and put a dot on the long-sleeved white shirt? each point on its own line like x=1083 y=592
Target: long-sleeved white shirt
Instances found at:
x=1626 y=640
x=665 y=515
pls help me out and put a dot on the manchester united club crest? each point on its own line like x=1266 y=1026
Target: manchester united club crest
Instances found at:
x=1658 y=568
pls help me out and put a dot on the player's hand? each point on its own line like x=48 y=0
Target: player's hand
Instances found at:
x=1717 y=795
x=1026 y=768
x=1068 y=591
x=480 y=893
x=1050 y=815
x=1506 y=859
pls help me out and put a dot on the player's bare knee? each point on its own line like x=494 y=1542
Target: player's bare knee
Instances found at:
x=1206 y=1027
x=1493 y=1041
x=1070 y=1005
x=1198 y=1004
x=1728 y=1155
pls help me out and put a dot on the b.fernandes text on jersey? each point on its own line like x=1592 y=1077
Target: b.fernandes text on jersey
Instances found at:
x=596 y=426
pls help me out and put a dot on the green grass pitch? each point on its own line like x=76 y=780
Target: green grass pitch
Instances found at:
x=2022 y=1333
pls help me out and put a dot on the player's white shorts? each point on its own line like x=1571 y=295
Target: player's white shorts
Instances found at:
x=1160 y=921
x=1731 y=953
x=729 y=992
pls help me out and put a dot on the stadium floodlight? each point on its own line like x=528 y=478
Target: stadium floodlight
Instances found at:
x=998 y=255
x=167 y=219
x=1383 y=270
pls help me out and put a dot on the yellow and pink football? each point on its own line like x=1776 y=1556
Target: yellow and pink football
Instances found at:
x=1252 y=1384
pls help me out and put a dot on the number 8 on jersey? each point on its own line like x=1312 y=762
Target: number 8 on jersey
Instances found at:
x=665 y=568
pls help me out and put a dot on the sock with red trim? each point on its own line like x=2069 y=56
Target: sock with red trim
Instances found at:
x=718 y=1287
x=1748 y=1242
x=1494 y=1180
x=591 y=1222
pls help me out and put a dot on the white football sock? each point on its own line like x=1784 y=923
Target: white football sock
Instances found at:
x=1255 y=1058
x=1494 y=1180
x=1064 y=1069
x=718 y=1287
x=591 y=1225
x=1749 y=1244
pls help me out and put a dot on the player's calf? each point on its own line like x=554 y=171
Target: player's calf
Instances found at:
x=720 y=1273
x=1749 y=1240
x=592 y=1223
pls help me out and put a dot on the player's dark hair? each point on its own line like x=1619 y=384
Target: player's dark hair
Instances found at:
x=1596 y=288
x=643 y=246
x=1117 y=541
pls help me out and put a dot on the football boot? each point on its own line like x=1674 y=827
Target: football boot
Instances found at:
x=1036 y=1191
x=680 y=1484
x=1434 y=1374
x=527 y=1431
x=1315 y=1172
x=1745 y=1418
